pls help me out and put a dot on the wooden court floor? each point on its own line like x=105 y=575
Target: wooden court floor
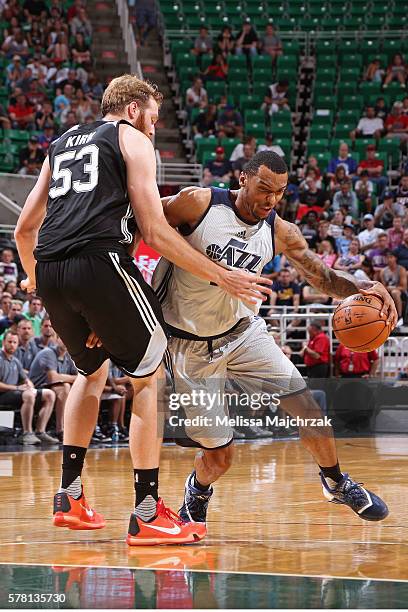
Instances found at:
x=267 y=515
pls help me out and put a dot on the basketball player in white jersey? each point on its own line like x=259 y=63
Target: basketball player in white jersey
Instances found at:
x=214 y=335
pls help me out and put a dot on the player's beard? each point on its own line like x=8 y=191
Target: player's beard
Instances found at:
x=141 y=124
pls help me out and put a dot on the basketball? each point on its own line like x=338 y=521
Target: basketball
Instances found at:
x=357 y=323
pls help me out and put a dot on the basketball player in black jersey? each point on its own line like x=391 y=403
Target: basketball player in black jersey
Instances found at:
x=96 y=188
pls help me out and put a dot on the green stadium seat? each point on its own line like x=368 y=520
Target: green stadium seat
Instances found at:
x=6 y=166
x=237 y=88
x=255 y=129
x=229 y=145
x=361 y=145
x=353 y=101
x=349 y=73
x=324 y=88
x=262 y=75
x=370 y=47
x=390 y=147
x=185 y=59
x=181 y=46
x=352 y=59
x=323 y=117
x=390 y=47
x=323 y=159
x=215 y=89
x=205 y=145
x=345 y=89
x=262 y=62
x=285 y=144
x=207 y=156
x=326 y=74
x=20 y=136
x=350 y=115
x=291 y=47
x=346 y=47
x=315 y=145
x=290 y=61
x=259 y=89
x=323 y=47
x=247 y=101
x=320 y=132
x=343 y=130
x=326 y=61
x=254 y=115
x=369 y=89
x=326 y=102
x=237 y=61
x=237 y=74
x=281 y=130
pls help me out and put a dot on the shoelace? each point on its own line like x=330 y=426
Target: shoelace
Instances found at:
x=348 y=490
x=169 y=513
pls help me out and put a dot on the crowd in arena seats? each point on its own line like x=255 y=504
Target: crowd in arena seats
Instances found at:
x=47 y=83
x=36 y=371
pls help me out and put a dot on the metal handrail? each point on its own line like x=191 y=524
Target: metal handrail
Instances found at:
x=128 y=36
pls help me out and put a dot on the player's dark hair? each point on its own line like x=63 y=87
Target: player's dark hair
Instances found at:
x=266 y=158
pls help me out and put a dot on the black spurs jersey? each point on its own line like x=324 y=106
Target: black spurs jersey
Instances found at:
x=87 y=199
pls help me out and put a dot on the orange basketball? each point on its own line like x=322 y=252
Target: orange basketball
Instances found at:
x=357 y=323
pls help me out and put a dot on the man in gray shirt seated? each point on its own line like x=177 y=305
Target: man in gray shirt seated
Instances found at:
x=18 y=391
x=53 y=367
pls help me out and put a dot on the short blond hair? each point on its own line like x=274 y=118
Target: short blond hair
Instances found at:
x=126 y=89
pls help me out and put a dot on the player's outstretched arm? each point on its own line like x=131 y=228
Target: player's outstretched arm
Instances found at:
x=139 y=157
x=29 y=222
x=336 y=283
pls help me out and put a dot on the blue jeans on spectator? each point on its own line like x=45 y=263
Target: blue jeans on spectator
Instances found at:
x=320 y=398
x=251 y=51
x=145 y=18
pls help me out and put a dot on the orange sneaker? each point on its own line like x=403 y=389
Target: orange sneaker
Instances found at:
x=166 y=528
x=75 y=513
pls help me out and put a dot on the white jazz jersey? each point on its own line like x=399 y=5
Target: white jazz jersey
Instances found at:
x=197 y=306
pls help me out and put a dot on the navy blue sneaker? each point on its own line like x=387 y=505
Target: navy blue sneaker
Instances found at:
x=194 y=508
x=366 y=504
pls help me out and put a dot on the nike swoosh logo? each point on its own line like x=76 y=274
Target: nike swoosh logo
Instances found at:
x=89 y=512
x=171 y=530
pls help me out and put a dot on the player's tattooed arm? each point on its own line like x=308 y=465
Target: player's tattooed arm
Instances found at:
x=335 y=283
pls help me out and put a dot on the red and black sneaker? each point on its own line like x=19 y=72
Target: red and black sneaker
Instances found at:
x=75 y=513
x=166 y=528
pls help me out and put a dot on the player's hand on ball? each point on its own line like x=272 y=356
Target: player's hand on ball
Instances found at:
x=93 y=341
x=245 y=286
x=28 y=285
x=389 y=309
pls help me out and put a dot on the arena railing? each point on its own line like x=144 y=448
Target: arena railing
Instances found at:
x=170 y=173
x=128 y=37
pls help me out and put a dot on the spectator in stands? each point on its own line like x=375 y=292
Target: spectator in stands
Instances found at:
x=145 y=18
x=312 y=164
x=35 y=8
x=24 y=82
x=15 y=310
x=381 y=108
x=34 y=313
x=285 y=292
x=247 y=40
x=374 y=72
x=368 y=237
x=405 y=105
x=205 y=124
x=403 y=374
x=352 y=259
x=44 y=115
x=93 y=88
x=84 y=109
x=375 y=169
x=59 y=50
x=395 y=233
x=344 y=159
x=396 y=71
x=21 y=113
x=310 y=295
x=343 y=242
x=203 y=44
x=31 y=169
x=15 y=292
x=368 y=126
x=364 y=189
x=36 y=93
x=269 y=146
x=32 y=152
x=316 y=353
x=309 y=228
x=218 y=169
x=276 y=97
x=312 y=198
x=394 y=277
x=47 y=137
x=16 y=44
x=5 y=304
x=402 y=251
x=348 y=364
x=47 y=336
x=118 y=385
x=401 y=194
x=336 y=181
x=53 y=366
x=81 y=53
x=239 y=149
x=326 y=253
x=230 y=123
x=217 y=70
x=8 y=267
x=238 y=165
x=346 y=200
x=196 y=95
x=74 y=9
x=18 y=391
x=378 y=255
x=69 y=122
x=385 y=213
x=396 y=124
x=225 y=42
x=272 y=268
x=14 y=71
x=81 y=23
x=270 y=43
x=38 y=69
x=336 y=225
x=5 y=123
x=26 y=348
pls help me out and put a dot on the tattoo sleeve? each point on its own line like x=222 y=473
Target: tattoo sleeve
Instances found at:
x=335 y=283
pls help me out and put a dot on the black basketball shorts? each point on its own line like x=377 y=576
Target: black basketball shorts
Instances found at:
x=104 y=292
